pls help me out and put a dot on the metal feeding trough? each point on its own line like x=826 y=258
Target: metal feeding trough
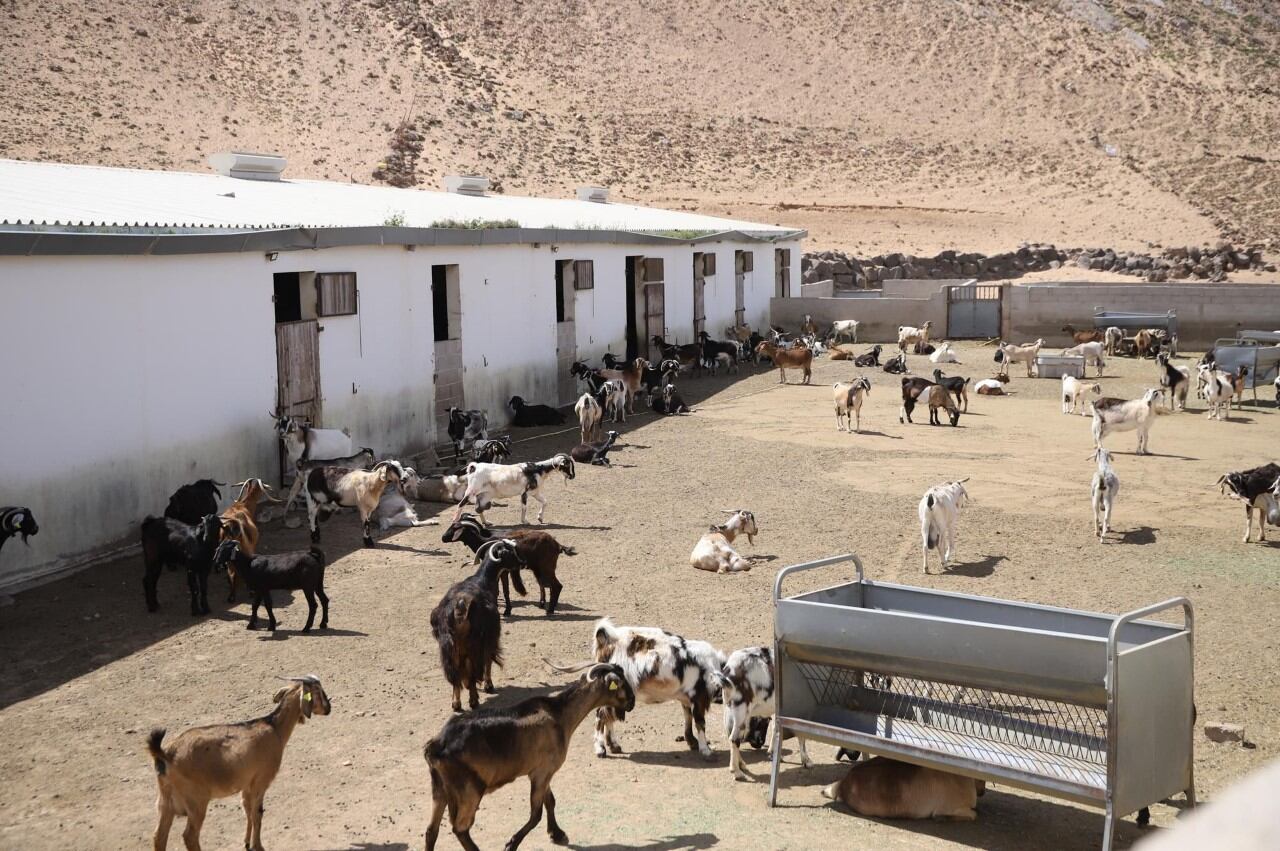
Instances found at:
x=1093 y=708
x=1056 y=366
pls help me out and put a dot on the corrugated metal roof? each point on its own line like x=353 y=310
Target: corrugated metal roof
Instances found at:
x=79 y=196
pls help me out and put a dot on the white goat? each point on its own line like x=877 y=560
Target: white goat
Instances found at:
x=746 y=688
x=1073 y=392
x=302 y=442
x=1019 y=354
x=395 y=508
x=939 y=513
x=1111 y=414
x=848 y=399
x=909 y=335
x=1091 y=352
x=714 y=551
x=843 y=329
x=487 y=482
x=943 y=354
x=589 y=417
x=1106 y=486
x=1111 y=340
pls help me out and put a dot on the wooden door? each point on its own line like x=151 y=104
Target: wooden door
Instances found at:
x=741 y=265
x=699 y=294
x=654 y=318
x=298 y=369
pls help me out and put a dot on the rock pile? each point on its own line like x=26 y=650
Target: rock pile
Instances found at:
x=1212 y=264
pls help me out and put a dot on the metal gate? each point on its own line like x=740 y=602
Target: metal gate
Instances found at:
x=654 y=319
x=973 y=311
x=298 y=369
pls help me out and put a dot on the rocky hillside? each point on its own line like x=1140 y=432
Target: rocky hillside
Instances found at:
x=878 y=124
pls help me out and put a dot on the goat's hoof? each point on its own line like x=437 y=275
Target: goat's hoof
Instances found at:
x=615 y=748
x=559 y=837
x=489 y=689
x=368 y=542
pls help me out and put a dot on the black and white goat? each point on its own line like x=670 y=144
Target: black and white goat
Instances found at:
x=488 y=482
x=957 y=386
x=524 y=415
x=939 y=514
x=670 y=402
x=331 y=488
x=191 y=502
x=595 y=453
x=302 y=442
x=1175 y=379
x=896 y=365
x=465 y=428
x=1103 y=492
x=362 y=460
x=659 y=666
x=17 y=520
x=747 y=690
x=494 y=450
x=715 y=352
x=1252 y=487
x=870 y=358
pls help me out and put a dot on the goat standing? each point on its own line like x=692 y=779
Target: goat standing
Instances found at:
x=331 y=488
x=848 y=400
x=747 y=690
x=1105 y=489
x=939 y=512
x=541 y=553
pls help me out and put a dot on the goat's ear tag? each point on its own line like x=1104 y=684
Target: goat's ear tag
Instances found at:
x=613 y=685
x=306 y=695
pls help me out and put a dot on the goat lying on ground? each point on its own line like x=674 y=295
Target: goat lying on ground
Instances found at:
x=488 y=482
x=958 y=386
x=1111 y=414
x=1103 y=492
x=395 y=507
x=747 y=689
x=908 y=335
x=655 y=378
x=597 y=453
x=477 y=753
x=1250 y=486
x=362 y=460
x=466 y=625
x=465 y=428
x=992 y=386
x=913 y=388
x=1092 y=354
x=241 y=516
x=885 y=788
x=939 y=513
x=1097 y=335
x=923 y=348
x=331 y=488
x=448 y=488
x=841 y=353
x=166 y=541
x=302 y=442
x=1009 y=354
x=218 y=761
x=540 y=551
x=714 y=551
x=1073 y=393
x=869 y=358
x=191 y=502
x=17 y=520
x=896 y=365
x=659 y=666
x=940 y=397
x=297 y=571
x=848 y=398
x=943 y=354
x=670 y=402
x=1176 y=380
x=590 y=414
x=524 y=415
x=785 y=359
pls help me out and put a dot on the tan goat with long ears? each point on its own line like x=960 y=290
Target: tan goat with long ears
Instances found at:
x=218 y=761
x=885 y=788
x=240 y=523
x=784 y=359
x=714 y=550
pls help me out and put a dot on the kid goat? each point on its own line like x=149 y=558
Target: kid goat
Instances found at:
x=747 y=689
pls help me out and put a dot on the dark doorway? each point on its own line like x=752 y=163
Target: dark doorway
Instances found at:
x=633 y=342
x=288 y=298
x=440 y=301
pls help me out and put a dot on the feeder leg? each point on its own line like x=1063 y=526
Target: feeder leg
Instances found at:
x=776 y=747
x=1108 y=826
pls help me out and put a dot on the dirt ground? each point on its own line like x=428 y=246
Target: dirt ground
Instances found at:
x=87 y=672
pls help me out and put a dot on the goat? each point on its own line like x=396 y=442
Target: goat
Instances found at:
x=465 y=428
x=785 y=359
x=869 y=358
x=1111 y=340
x=362 y=460
x=842 y=328
x=191 y=502
x=394 y=506
x=741 y=333
x=296 y=571
x=17 y=520
x=1250 y=487
x=659 y=666
x=848 y=400
x=596 y=454
x=714 y=551
x=466 y=625
x=487 y=482
x=908 y=334
x=839 y=353
x=958 y=386
x=912 y=388
x=713 y=350
x=943 y=354
x=166 y=541
x=524 y=415
x=1143 y=342
x=477 y=753
x=331 y=488
x=590 y=414
x=1073 y=393
x=1218 y=390
x=940 y=397
x=447 y=488
x=670 y=402
x=747 y=689
x=541 y=553
x=689 y=355
x=1237 y=382
x=302 y=442
x=896 y=365
x=220 y=760
x=654 y=378
x=991 y=387
x=1175 y=379
x=1097 y=335
x=1111 y=414
x=491 y=450
x=1103 y=492
x=613 y=398
x=1277 y=384
x=886 y=788
x=1010 y=354
x=922 y=348
x=240 y=516
x=1091 y=352
x=939 y=512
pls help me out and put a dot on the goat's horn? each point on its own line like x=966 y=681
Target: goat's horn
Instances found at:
x=569 y=669
x=962 y=481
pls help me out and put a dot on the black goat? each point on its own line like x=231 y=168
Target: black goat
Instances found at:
x=16 y=520
x=869 y=358
x=670 y=402
x=465 y=428
x=912 y=389
x=595 y=453
x=302 y=570
x=466 y=624
x=923 y=348
x=957 y=386
x=712 y=349
x=612 y=361
x=166 y=541
x=1247 y=486
x=541 y=553
x=191 y=502
x=495 y=451
x=654 y=378
x=896 y=365
x=525 y=415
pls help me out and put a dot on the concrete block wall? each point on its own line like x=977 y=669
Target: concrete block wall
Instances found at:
x=879 y=317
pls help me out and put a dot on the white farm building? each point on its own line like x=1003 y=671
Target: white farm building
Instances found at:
x=152 y=320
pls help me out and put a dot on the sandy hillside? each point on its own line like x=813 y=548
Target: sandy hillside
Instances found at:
x=878 y=125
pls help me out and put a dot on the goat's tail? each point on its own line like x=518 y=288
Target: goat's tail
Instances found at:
x=432 y=750
x=569 y=551
x=931 y=531
x=157 y=754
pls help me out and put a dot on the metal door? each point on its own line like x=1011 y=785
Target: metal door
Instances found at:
x=298 y=369
x=654 y=318
x=973 y=312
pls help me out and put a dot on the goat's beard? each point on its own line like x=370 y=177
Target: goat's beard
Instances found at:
x=751 y=539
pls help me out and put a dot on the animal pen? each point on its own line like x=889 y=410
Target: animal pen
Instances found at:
x=1089 y=707
x=1131 y=323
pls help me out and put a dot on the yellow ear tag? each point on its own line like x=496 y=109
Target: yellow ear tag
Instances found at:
x=306 y=695
x=613 y=686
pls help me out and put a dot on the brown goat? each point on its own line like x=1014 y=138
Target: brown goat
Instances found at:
x=1095 y=336
x=540 y=551
x=475 y=754
x=1143 y=342
x=632 y=376
x=785 y=359
x=841 y=353
x=886 y=788
x=217 y=761
x=241 y=525
x=940 y=397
